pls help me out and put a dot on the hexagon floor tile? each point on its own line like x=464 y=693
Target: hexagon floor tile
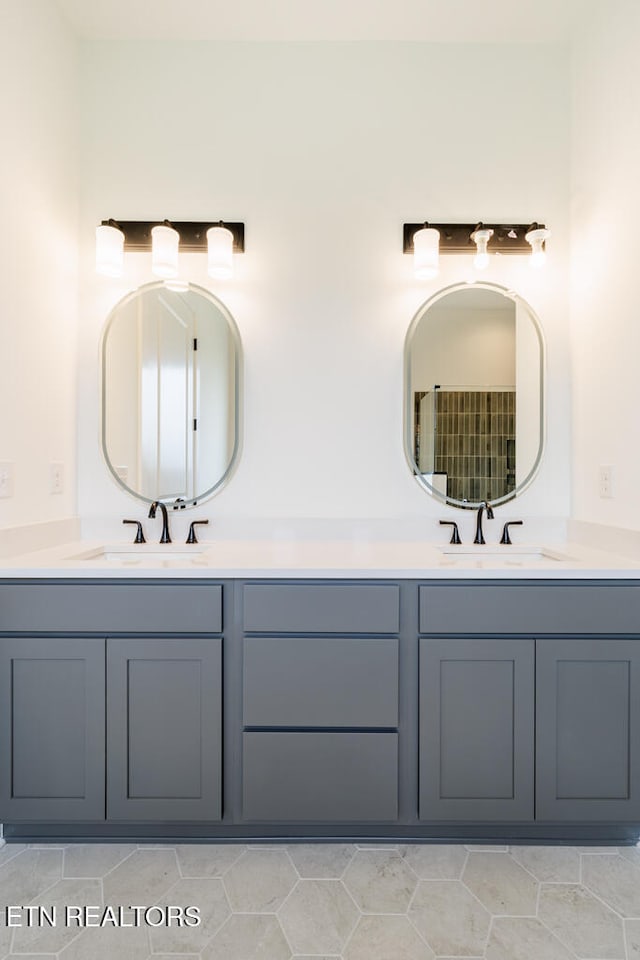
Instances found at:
x=333 y=901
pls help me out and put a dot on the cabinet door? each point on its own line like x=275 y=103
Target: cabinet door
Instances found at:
x=164 y=722
x=588 y=729
x=52 y=729
x=476 y=729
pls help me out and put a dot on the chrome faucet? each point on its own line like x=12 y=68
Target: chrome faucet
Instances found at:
x=479 y=537
x=165 y=538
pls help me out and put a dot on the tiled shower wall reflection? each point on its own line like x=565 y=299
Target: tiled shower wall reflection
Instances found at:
x=474 y=441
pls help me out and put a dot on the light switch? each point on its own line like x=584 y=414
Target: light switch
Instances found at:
x=56 y=478
x=605 y=481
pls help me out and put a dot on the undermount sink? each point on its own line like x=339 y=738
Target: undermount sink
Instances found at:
x=140 y=553
x=505 y=553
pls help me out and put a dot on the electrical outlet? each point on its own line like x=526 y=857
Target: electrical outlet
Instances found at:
x=605 y=481
x=56 y=478
x=6 y=479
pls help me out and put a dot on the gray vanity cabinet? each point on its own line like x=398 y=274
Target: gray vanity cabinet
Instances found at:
x=482 y=701
x=588 y=729
x=476 y=729
x=320 y=711
x=110 y=702
x=351 y=709
x=164 y=729
x=52 y=728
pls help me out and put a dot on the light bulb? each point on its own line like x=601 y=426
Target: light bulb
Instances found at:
x=426 y=253
x=164 y=252
x=109 y=251
x=481 y=238
x=537 y=239
x=219 y=253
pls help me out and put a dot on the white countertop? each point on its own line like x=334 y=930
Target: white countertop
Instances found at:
x=336 y=559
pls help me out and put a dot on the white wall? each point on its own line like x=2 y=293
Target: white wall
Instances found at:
x=464 y=348
x=324 y=150
x=605 y=317
x=38 y=257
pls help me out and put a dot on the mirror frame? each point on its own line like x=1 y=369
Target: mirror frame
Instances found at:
x=408 y=393
x=238 y=367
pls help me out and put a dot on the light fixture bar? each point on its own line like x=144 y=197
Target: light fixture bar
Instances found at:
x=507 y=238
x=193 y=235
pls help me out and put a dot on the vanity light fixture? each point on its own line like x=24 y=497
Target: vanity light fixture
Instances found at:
x=426 y=252
x=109 y=249
x=165 y=238
x=478 y=239
x=165 y=242
x=219 y=253
x=537 y=237
x=481 y=236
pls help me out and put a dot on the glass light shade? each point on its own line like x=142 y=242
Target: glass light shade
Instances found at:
x=109 y=251
x=426 y=253
x=219 y=253
x=537 y=238
x=164 y=252
x=481 y=238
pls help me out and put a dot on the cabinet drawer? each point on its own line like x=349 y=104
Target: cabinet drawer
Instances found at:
x=320 y=776
x=322 y=608
x=533 y=609
x=320 y=682
x=111 y=608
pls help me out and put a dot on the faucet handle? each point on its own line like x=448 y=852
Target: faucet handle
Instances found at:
x=192 y=530
x=455 y=533
x=139 y=534
x=505 y=538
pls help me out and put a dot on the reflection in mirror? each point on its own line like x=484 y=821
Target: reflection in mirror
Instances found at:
x=170 y=393
x=474 y=395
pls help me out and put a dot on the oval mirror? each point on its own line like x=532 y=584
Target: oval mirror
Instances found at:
x=474 y=395
x=170 y=393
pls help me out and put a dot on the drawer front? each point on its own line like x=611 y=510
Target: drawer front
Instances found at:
x=111 y=608
x=318 y=777
x=532 y=609
x=320 y=682
x=322 y=608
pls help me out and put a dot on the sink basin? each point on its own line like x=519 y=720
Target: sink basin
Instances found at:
x=506 y=554
x=143 y=553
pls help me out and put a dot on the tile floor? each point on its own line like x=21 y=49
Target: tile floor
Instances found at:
x=332 y=901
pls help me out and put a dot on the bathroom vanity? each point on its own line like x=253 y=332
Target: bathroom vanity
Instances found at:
x=438 y=707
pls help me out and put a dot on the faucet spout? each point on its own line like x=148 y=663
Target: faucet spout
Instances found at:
x=485 y=505
x=165 y=538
